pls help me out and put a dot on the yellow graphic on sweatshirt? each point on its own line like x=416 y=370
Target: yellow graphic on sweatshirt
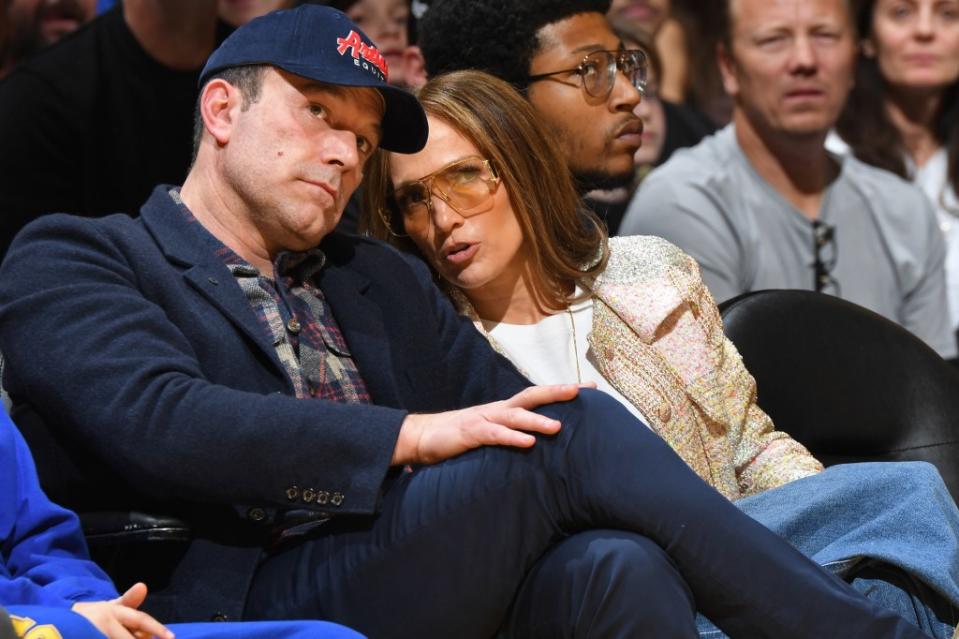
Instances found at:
x=27 y=628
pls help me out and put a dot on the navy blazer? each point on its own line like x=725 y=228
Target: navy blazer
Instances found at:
x=134 y=346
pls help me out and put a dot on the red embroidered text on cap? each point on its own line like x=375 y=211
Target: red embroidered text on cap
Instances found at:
x=369 y=53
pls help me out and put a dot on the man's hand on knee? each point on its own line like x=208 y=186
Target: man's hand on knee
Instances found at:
x=427 y=439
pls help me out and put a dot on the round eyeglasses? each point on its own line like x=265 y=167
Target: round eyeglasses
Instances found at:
x=467 y=186
x=597 y=71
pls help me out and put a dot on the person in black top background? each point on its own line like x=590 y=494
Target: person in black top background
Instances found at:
x=90 y=125
x=35 y=24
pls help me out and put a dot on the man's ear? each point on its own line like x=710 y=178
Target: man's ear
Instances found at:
x=727 y=69
x=219 y=103
x=414 y=67
x=868 y=47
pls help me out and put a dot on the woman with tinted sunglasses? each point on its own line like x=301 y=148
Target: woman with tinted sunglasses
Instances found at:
x=490 y=206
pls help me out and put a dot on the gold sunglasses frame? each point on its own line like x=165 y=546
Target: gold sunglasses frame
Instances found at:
x=427 y=181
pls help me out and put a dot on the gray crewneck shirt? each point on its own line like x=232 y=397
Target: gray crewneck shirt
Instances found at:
x=887 y=249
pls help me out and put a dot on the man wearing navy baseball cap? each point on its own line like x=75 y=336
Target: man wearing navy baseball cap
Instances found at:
x=342 y=444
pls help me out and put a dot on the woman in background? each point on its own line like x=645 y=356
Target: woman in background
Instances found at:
x=903 y=113
x=484 y=204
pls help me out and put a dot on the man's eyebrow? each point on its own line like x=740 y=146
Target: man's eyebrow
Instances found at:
x=589 y=48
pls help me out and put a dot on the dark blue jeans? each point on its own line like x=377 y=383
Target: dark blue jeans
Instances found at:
x=454 y=543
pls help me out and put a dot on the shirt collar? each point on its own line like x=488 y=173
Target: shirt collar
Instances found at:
x=300 y=266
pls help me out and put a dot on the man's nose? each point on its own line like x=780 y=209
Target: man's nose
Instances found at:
x=624 y=96
x=339 y=148
x=803 y=55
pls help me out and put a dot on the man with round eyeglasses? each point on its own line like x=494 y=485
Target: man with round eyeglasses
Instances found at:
x=566 y=59
x=597 y=71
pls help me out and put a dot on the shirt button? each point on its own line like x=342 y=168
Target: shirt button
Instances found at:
x=292 y=493
x=293 y=325
x=337 y=499
x=256 y=514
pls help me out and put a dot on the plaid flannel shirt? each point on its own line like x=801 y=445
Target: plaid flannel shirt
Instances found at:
x=297 y=320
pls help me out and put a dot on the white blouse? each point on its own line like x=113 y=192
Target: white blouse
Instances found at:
x=933 y=179
x=548 y=351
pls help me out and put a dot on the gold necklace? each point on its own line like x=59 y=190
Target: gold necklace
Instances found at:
x=572 y=325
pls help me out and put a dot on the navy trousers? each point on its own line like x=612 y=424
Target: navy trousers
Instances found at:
x=454 y=543
x=608 y=583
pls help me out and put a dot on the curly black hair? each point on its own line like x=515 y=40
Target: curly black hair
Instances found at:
x=497 y=36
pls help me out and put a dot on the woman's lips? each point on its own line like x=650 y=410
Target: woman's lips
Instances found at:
x=640 y=11
x=922 y=59
x=460 y=253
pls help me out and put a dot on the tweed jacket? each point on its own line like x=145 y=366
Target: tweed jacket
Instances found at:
x=657 y=337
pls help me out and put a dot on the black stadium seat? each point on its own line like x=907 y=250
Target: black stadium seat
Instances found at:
x=847 y=383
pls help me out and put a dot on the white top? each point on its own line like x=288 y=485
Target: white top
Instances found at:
x=547 y=353
x=933 y=179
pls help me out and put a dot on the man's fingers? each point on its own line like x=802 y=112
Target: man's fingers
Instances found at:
x=536 y=396
x=496 y=435
x=140 y=622
x=522 y=419
x=116 y=630
x=134 y=597
x=511 y=427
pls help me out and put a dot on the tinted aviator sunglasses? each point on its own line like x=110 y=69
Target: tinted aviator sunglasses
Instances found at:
x=467 y=186
x=598 y=69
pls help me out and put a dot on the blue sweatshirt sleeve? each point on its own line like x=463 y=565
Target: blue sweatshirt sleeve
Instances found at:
x=43 y=556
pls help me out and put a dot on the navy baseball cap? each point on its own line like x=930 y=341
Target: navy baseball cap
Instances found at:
x=322 y=44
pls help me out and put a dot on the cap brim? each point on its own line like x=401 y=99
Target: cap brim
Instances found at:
x=405 y=128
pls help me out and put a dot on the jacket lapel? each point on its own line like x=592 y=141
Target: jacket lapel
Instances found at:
x=202 y=270
x=646 y=309
x=361 y=322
